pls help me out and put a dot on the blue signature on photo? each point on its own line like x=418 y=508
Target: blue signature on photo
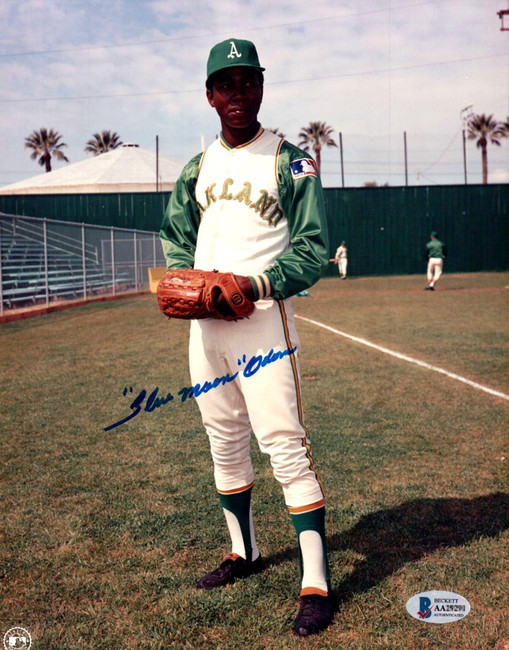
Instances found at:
x=150 y=402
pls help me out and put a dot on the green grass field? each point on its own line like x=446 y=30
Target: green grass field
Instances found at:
x=104 y=533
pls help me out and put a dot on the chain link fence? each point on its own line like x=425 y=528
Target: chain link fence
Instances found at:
x=46 y=260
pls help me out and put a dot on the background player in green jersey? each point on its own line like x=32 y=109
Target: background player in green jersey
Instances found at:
x=435 y=253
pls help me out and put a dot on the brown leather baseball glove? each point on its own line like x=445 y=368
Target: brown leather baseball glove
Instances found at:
x=192 y=293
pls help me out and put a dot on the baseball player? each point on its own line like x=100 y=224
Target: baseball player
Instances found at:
x=435 y=254
x=341 y=259
x=252 y=204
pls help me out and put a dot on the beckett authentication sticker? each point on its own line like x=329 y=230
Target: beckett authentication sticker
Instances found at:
x=438 y=607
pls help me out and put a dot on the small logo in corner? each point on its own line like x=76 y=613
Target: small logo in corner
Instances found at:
x=17 y=638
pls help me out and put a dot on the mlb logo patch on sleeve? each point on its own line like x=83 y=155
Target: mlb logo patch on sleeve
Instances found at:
x=303 y=167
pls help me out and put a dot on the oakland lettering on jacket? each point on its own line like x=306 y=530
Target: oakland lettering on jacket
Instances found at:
x=264 y=204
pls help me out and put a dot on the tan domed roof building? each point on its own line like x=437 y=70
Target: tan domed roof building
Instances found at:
x=124 y=169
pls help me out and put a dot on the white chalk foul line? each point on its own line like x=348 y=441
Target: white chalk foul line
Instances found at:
x=405 y=357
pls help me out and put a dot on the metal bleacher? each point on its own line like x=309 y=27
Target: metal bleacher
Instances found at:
x=39 y=267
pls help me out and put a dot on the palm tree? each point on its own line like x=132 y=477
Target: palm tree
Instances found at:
x=276 y=131
x=45 y=144
x=505 y=126
x=102 y=142
x=316 y=135
x=484 y=129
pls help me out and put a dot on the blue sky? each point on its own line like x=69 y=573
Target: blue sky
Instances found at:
x=371 y=69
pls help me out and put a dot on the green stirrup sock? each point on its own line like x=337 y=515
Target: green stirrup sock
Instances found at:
x=239 y=504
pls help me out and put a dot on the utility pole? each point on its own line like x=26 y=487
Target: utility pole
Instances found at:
x=465 y=115
x=406 y=160
x=157 y=163
x=464 y=156
x=504 y=25
x=341 y=155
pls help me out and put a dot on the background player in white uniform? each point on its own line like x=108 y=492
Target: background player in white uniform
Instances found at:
x=252 y=204
x=341 y=259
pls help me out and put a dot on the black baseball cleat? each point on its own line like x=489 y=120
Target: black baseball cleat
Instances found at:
x=315 y=614
x=232 y=568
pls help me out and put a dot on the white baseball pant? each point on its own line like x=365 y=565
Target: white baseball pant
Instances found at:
x=264 y=398
x=435 y=266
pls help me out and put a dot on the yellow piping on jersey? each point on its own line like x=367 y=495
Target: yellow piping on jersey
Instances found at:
x=241 y=146
x=276 y=167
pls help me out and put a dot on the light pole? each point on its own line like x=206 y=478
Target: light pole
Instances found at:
x=341 y=156
x=406 y=160
x=465 y=115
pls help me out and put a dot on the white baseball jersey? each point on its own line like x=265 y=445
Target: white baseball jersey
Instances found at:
x=254 y=209
x=243 y=228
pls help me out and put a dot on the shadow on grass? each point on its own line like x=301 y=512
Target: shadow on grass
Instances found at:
x=389 y=539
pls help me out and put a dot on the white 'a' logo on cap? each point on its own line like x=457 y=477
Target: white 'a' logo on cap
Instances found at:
x=233 y=51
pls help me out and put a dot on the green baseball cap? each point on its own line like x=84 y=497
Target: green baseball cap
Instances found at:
x=232 y=53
